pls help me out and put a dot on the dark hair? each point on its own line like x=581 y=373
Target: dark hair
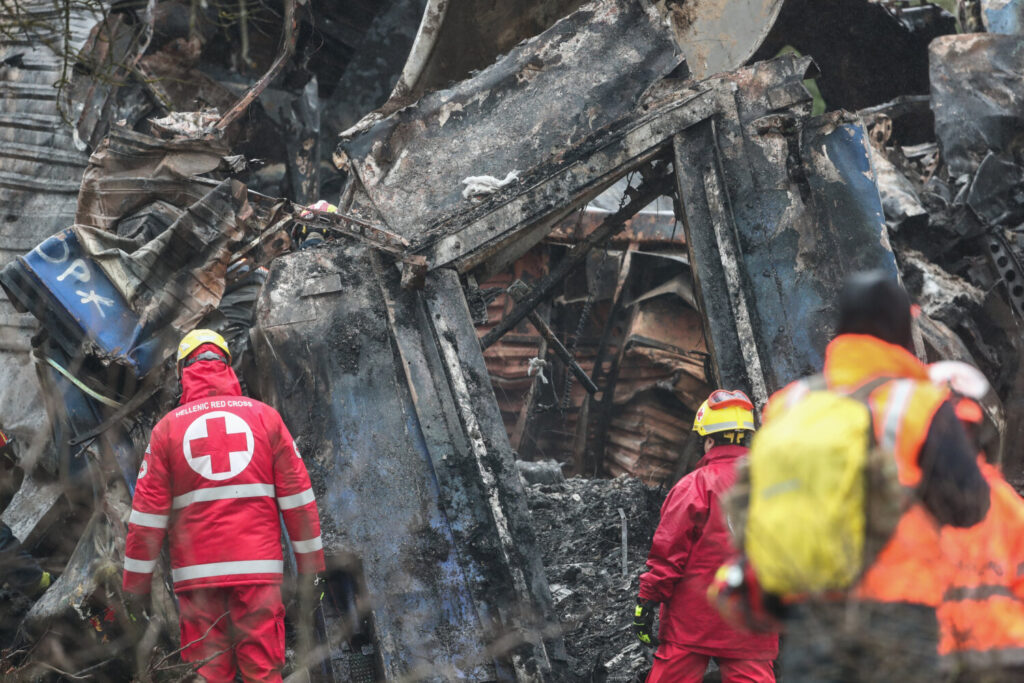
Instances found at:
x=873 y=302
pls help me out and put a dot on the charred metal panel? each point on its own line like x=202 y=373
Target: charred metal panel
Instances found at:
x=976 y=96
x=778 y=208
x=535 y=104
x=387 y=395
x=502 y=228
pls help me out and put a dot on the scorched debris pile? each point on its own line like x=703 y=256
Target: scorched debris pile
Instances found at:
x=549 y=229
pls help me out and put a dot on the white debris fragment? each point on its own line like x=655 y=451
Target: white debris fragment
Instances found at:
x=537 y=365
x=480 y=185
x=188 y=124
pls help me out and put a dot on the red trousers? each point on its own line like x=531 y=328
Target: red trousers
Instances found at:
x=674 y=664
x=238 y=628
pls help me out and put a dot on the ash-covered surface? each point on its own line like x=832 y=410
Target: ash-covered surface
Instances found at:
x=579 y=530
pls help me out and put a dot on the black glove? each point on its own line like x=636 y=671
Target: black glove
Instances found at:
x=137 y=607
x=643 y=622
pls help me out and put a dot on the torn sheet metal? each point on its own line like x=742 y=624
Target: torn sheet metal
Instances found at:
x=647 y=439
x=91 y=574
x=977 y=97
x=531 y=107
x=719 y=35
x=995 y=193
x=387 y=394
x=778 y=208
x=36 y=506
x=501 y=228
x=102 y=90
x=132 y=170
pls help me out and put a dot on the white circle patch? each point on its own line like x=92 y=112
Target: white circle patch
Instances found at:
x=218 y=445
x=143 y=468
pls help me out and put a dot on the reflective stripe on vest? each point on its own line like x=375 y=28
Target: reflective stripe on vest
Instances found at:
x=223 y=493
x=148 y=519
x=896 y=408
x=296 y=500
x=960 y=593
x=309 y=546
x=139 y=566
x=205 y=571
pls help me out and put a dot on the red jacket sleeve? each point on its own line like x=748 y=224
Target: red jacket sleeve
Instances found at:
x=296 y=500
x=151 y=513
x=683 y=516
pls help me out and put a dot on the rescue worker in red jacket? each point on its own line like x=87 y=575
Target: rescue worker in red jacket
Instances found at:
x=691 y=542
x=218 y=471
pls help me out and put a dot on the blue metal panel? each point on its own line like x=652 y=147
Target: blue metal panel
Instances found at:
x=810 y=244
x=82 y=289
x=62 y=286
x=1004 y=16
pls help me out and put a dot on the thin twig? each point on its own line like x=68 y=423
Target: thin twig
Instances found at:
x=182 y=648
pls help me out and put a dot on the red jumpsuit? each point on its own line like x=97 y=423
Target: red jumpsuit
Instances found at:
x=692 y=541
x=217 y=473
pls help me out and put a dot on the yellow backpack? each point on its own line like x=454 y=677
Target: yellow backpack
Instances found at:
x=823 y=498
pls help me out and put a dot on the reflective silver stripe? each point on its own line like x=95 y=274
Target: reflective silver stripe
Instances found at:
x=139 y=566
x=223 y=493
x=147 y=519
x=308 y=546
x=203 y=571
x=296 y=500
x=958 y=593
x=899 y=398
x=731 y=424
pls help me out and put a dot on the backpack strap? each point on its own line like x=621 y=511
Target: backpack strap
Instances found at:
x=893 y=416
x=865 y=390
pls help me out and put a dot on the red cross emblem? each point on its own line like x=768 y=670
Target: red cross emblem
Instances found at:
x=218 y=445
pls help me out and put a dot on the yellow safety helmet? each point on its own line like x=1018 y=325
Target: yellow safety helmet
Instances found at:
x=196 y=338
x=724 y=411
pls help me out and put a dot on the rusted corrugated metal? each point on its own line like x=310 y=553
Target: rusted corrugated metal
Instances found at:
x=659 y=385
x=646 y=439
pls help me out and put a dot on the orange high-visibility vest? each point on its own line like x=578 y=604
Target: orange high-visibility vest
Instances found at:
x=981 y=618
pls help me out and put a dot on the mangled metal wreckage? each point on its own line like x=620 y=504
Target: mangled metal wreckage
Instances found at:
x=366 y=344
